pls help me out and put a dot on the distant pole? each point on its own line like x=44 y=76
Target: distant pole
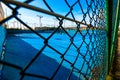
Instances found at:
x=6 y=17
x=64 y=23
x=34 y=25
x=14 y=24
x=54 y=21
x=40 y=17
x=19 y=22
x=71 y=24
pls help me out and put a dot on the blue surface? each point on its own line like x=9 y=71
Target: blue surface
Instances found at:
x=2 y=37
x=21 y=48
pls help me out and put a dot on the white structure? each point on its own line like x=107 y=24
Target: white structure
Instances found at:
x=1 y=12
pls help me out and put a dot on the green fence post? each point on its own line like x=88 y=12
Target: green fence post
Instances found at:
x=115 y=32
x=107 y=37
x=109 y=31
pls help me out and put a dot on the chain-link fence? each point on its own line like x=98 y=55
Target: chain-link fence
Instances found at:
x=73 y=47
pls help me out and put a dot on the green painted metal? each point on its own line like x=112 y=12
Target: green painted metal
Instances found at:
x=112 y=29
x=115 y=32
x=107 y=26
x=109 y=7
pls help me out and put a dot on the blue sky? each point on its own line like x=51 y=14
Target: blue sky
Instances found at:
x=58 y=6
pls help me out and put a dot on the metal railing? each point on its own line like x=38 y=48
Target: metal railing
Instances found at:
x=88 y=47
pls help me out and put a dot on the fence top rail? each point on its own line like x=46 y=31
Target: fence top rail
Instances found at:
x=25 y=5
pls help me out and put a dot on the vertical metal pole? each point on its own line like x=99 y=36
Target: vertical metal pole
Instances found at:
x=54 y=21
x=109 y=30
x=14 y=24
x=40 y=20
x=112 y=38
x=19 y=22
x=64 y=23
x=6 y=17
x=107 y=40
x=115 y=31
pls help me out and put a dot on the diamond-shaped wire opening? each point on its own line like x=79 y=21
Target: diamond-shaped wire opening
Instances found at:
x=68 y=70
x=57 y=9
x=71 y=54
x=60 y=41
x=47 y=63
x=79 y=60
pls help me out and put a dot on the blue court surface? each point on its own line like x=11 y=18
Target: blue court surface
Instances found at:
x=22 y=48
